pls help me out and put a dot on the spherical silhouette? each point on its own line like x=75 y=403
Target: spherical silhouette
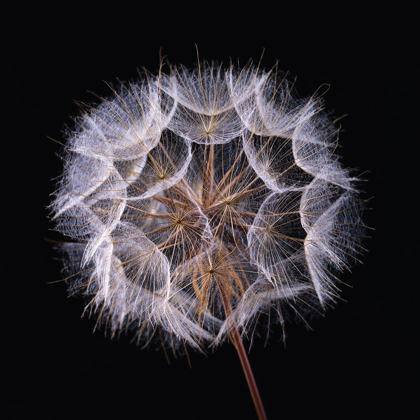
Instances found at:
x=204 y=200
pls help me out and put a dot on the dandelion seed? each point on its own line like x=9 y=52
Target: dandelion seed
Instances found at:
x=199 y=200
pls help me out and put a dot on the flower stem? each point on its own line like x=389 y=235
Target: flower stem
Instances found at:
x=236 y=338
x=252 y=385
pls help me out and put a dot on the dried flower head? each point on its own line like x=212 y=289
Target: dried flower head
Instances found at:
x=201 y=200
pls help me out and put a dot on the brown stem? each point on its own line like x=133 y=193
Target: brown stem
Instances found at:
x=246 y=367
x=252 y=385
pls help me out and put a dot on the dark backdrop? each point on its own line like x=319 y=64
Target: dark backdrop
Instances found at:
x=359 y=360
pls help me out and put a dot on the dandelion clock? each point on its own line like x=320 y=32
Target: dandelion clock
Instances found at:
x=201 y=204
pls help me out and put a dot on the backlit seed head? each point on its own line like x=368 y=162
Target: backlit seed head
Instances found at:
x=205 y=198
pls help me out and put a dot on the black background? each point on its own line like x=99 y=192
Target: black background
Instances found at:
x=359 y=360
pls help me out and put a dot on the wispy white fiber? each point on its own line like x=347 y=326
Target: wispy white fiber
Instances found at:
x=204 y=200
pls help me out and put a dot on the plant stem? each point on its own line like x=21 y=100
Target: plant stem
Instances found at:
x=236 y=338
x=237 y=341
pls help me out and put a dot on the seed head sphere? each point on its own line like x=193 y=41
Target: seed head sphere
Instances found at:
x=203 y=199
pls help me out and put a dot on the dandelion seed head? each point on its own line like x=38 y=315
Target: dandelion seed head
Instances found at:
x=203 y=198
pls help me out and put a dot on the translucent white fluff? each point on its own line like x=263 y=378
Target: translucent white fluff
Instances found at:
x=205 y=199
